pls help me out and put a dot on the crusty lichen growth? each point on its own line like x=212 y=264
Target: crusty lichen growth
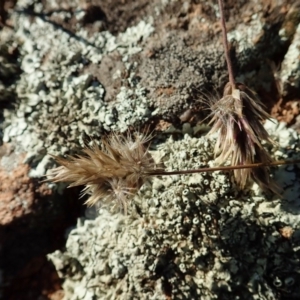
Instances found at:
x=195 y=237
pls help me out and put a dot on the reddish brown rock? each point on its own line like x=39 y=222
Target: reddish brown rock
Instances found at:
x=33 y=220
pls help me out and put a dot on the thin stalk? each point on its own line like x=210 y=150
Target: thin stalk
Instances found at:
x=224 y=168
x=225 y=44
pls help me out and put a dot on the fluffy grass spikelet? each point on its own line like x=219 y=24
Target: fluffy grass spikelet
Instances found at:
x=112 y=173
x=238 y=117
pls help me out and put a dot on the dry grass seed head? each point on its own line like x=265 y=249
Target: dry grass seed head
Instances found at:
x=115 y=193
x=113 y=172
x=238 y=117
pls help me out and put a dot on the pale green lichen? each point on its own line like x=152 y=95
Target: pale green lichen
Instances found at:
x=195 y=236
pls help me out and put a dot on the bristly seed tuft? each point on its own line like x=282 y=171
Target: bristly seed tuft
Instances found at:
x=238 y=118
x=112 y=173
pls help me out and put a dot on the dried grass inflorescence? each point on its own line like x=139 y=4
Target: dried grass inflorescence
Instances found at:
x=112 y=173
x=238 y=117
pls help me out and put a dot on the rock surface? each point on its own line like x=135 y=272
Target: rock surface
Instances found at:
x=75 y=70
x=195 y=236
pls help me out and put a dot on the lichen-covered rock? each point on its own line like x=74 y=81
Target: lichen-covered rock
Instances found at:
x=194 y=236
x=290 y=70
x=68 y=89
x=259 y=40
x=59 y=105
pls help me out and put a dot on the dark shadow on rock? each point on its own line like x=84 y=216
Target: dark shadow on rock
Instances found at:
x=25 y=242
x=9 y=73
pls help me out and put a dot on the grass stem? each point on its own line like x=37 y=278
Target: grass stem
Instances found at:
x=225 y=44
x=225 y=168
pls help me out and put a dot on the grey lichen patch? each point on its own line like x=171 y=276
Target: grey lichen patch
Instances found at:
x=256 y=59
x=175 y=74
x=59 y=106
x=131 y=106
x=252 y=38
x=60 y=102
x=194 y=237
x=177 y=66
